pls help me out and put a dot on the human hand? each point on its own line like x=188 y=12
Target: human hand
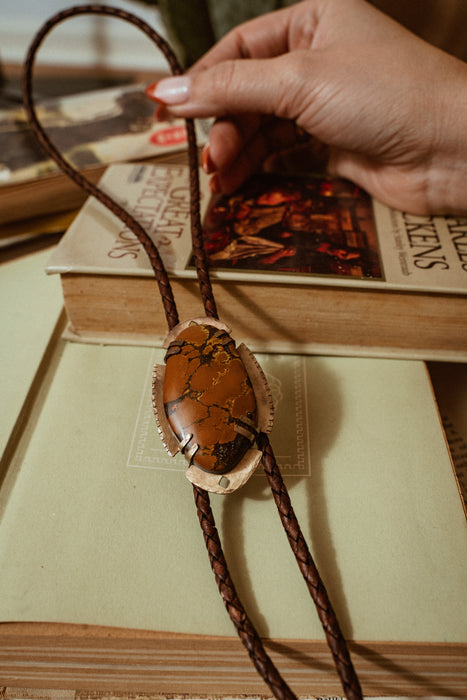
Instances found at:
x=389 y=107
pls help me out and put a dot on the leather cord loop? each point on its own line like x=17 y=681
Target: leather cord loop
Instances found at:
x=242 y=623
x=148 y=245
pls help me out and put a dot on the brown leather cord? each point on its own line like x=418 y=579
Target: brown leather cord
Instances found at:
x=243 y=625
x=202 y=269
x=307 y=566
x=75 y=175
x=149 y=247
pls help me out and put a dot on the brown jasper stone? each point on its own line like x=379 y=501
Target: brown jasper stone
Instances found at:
x=207 y=393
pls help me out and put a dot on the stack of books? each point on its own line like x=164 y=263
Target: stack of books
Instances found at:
x=106 y=583
x=91 y=130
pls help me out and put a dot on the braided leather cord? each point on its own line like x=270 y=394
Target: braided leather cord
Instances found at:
x=234 y=607
x=199 y=252
x=307 y=566
x=242 y=623
x=148 y=245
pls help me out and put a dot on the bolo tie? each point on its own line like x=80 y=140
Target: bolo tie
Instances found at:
x=211 y=400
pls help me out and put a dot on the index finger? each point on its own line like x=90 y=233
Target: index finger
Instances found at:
x=262 y=37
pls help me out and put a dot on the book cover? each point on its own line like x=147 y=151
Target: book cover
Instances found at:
x=30 y=310
x=292 y=230
x=100 y=527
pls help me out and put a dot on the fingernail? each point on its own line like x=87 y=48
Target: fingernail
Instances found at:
x=206 y=162
x=170 y=91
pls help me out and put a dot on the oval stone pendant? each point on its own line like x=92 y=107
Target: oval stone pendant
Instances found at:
x=210 y=401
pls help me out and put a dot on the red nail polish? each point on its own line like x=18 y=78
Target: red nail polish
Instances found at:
x=150 y=91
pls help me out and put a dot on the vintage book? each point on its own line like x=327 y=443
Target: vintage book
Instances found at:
x=37 y=229
x=105 y=581
x=298 y=264
x=91 y=130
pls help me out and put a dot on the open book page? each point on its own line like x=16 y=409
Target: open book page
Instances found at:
x=101 y=527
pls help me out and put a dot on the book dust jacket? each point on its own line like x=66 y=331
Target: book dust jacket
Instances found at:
x=309 y=229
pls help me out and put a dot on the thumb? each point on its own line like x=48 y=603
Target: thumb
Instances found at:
x=230 y=87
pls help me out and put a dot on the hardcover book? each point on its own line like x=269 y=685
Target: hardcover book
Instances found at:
x=90 y=130
x=299 y=264
x=106 y=584
x=100 y=529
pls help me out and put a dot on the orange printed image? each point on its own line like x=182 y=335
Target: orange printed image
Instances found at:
x=303 y=225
